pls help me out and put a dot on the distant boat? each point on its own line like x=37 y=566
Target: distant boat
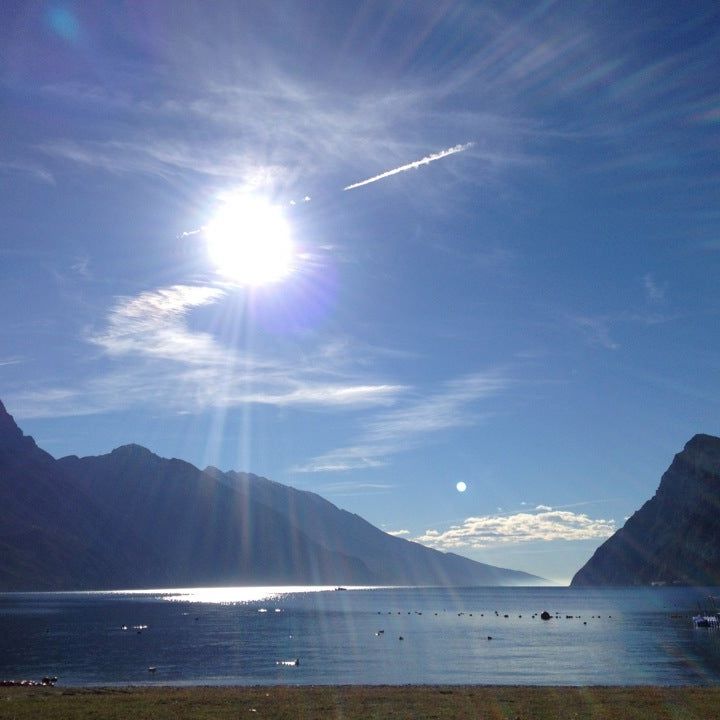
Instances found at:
x=705 y=620
x=340 y=588
x=707 y=617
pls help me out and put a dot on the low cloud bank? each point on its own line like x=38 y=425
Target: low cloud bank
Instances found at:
x=492 y=530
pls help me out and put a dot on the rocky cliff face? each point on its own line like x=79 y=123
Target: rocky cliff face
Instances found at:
x=675 y=536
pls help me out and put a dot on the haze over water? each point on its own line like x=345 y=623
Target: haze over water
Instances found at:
x=237 y=636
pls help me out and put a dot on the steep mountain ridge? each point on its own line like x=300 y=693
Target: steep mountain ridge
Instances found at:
x=205 y=532
x=133 y=519
x=48 y=524
x=673 y=537
x=391 y=559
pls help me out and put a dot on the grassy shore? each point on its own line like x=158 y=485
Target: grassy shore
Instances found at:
x=362 y=703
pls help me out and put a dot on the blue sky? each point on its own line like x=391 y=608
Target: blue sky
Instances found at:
x=533 y=314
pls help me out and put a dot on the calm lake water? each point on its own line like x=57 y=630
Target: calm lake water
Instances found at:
x=239 y=635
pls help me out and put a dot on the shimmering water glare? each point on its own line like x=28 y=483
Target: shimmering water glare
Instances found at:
x=250 y=636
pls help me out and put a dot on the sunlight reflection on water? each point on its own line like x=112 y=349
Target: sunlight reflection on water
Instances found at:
x=231 y=595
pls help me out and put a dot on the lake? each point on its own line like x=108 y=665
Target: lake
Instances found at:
x=239 y=635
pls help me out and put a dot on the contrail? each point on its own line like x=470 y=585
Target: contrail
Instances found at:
x=403 y=168
x=410 y=166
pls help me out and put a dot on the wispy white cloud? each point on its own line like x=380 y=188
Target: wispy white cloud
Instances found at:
x=398 y=533
x=29 y=168
x=447 y=408
x=596 y=330
x=326 y=395
x=309 y=123
x=153 y=324
x=600 y=330
x=299 y=132
x=402 y=428
x=654 y=292
x=522 y=527
x=162 y=359
x=360 y=457
x=81 y=266
x=12 y=360
x=168 y=159
x=413 y=165
x=346 y=489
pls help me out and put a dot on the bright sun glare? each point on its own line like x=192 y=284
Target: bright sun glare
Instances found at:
x=249 y=241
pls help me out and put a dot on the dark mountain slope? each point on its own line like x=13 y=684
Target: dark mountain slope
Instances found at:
x=205 y=532
x=393 y=560
x=132 y=519
x=49 y=526
x=675 y=536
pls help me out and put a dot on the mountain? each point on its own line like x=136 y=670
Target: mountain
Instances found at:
x=391 y=560
x=674 y=537
x=49 y=526
x=132 y=519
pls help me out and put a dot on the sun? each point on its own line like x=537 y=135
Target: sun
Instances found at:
x=249 y=241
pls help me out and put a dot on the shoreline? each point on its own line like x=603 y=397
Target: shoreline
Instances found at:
x=351 y=702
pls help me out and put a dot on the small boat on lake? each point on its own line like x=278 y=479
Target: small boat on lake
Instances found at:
x=706 y=621
x=708 y=616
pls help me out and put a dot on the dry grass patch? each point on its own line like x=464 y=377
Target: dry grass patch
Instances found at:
x=361 y=703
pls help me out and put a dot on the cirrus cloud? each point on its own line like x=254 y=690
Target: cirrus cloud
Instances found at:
x=403 y=428
x=157 y=356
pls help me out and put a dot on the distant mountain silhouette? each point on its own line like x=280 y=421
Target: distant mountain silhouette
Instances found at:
x=50 y=528
x=131 y=519
x=675 y=537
